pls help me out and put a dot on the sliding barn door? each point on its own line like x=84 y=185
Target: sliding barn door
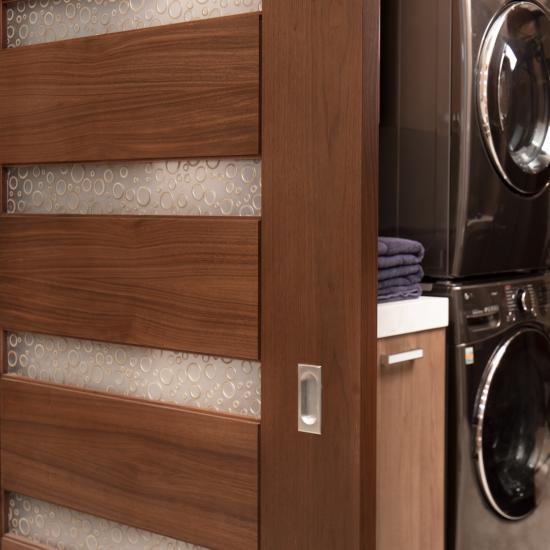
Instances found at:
x=129 y=274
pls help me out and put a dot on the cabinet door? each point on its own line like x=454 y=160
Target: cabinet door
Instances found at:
x=411 y=443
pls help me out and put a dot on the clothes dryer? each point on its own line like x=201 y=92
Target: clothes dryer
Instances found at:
x=465 y=141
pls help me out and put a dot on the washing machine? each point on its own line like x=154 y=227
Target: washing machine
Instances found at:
x=465 y=141
x=498 y=449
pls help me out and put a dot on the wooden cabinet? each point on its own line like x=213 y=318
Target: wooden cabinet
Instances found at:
x=411 y=442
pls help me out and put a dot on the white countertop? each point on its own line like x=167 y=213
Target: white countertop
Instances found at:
x=424 y=313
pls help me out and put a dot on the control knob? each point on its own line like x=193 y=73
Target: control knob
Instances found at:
x=525 y=303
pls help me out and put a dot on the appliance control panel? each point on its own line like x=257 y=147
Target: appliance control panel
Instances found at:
x=478 y=310
x=522 y=301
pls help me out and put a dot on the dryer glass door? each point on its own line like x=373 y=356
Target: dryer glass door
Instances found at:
x=512 y=440
x=514 y=95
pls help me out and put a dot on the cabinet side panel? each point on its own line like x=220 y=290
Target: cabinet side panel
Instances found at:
x=411 y=449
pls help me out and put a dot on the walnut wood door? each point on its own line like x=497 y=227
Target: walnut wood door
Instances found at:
x=129 y=274
x=157 y=292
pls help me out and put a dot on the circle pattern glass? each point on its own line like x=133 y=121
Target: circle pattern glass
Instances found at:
x=40 y=21
x=200 y=381
x=200 y=187
x=65 y=529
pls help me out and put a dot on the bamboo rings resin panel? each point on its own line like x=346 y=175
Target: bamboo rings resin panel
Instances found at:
x=200 y=381
x=40 y=21
x=220 y=187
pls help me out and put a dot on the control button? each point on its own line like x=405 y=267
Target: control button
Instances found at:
x=524 y=301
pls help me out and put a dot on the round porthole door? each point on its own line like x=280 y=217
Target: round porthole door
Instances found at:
x=512 y=437
x=514 y=95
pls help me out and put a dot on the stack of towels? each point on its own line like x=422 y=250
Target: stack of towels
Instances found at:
x=399 y=269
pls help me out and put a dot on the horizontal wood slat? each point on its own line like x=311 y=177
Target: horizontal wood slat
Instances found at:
x=180 y=283
x=13 y=542
x=175 y=91
x=189 y=475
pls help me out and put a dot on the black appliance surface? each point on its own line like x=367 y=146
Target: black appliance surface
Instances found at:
x=465 y=145
x=498 y=457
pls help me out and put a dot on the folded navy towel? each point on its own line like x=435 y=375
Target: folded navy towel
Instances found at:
x=401 y=281
x=400 y=259
x=401 y=271
x=395 y=293
x=392 y=246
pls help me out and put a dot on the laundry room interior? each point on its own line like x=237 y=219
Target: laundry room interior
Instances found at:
x=465 y=169
x=274 y=275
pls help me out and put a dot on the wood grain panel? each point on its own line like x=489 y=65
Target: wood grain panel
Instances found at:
x=175 y=91
x=370 y=117
x=319 y=258
x=3 y=26
x=178 y=283
x=411 y=445
x=188 y=475
x=13 y=542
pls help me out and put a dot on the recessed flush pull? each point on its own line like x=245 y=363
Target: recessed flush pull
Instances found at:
x=309 y=399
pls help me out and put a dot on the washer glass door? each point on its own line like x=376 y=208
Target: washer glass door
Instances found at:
x=512 y=438
x=514 y=95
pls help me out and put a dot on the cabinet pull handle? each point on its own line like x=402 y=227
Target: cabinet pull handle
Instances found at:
x=401 y=358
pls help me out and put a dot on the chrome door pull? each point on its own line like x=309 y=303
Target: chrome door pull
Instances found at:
x=400 y=358
x=309 y=399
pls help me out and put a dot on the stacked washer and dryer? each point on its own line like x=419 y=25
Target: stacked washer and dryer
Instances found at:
x=465 y=158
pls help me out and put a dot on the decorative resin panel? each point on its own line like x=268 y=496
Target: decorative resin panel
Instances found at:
x=199 y=381
x=39 y=21
x=66 y=529
x=212 y=187
x=200 y=187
